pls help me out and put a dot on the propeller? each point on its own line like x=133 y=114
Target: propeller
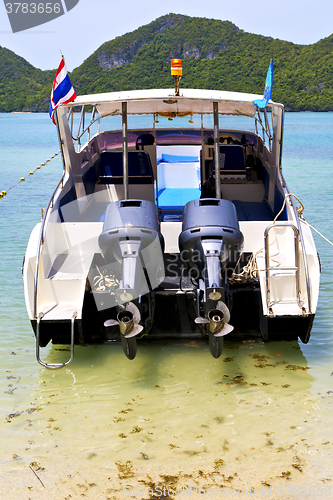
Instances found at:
x=218 y=320
x=128 y=320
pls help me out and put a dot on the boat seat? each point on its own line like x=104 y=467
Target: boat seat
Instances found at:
x=110 y=169
x=178 y=181
x=171 y=202
x=234 y=161
x=235 y=158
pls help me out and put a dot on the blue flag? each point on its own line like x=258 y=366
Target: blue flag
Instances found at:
x=261 y=103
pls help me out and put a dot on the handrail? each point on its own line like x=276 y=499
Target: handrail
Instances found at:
x=296 y=268
x=54 y=366
x=266 y=131
x=84 y=129
x=305 y=260
x=40 y=243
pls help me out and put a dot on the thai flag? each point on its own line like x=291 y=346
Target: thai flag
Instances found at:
x=62 y=90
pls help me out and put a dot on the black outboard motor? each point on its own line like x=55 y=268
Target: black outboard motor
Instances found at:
x=210 y=241
x=131 y=237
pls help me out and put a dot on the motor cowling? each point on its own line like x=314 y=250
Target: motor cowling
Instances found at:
x=131 y=236
x=128 y=219
x=210 y=228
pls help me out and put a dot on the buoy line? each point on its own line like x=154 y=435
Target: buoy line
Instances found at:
x=22 y=179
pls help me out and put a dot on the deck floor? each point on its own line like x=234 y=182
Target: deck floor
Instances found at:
x=252 y=211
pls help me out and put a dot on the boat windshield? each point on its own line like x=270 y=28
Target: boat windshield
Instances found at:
x=85 y=126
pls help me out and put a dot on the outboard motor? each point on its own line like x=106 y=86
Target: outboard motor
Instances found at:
x=131 y=237
x=210 y=241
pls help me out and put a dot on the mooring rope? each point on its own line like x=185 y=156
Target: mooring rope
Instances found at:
x=300 y=215
x=305 y=222
x=22 y=179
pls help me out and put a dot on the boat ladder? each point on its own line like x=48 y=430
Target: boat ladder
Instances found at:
x=298 y=244
x=54 y=366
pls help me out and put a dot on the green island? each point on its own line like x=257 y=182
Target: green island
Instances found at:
x=216 y=54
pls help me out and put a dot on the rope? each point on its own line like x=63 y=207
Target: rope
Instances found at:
x=250 y=271
x=102 y=282
x=3 y=193
x=305 y=222
x=299 y=209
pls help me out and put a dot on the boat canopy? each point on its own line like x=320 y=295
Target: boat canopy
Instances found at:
x=164 y=101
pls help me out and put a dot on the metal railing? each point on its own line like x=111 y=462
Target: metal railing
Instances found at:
x=266 y=132
x=296 y=268
x=82 y=127
x=54 y=366
x=305 y=260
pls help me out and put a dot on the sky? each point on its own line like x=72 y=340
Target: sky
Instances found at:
x=82 y=30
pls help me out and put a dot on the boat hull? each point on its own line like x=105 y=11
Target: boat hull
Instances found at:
x=179 y=232
x=174 y=319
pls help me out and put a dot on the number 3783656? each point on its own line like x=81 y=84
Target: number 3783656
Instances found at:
x=304 y=491
x=33 y=8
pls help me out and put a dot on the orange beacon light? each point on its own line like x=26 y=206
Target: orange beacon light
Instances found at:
x=176 y=72
x=176 y=67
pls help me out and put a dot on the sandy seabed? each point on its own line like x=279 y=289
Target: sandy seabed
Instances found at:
x=175 y=423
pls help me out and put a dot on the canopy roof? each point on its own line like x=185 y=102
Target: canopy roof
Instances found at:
x=165 y=101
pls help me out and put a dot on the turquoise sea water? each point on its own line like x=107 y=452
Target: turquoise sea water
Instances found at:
x=257 y=422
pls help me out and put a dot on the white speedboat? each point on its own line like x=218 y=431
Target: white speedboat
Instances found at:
x=142 y=238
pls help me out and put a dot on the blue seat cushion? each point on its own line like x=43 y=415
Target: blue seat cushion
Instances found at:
x=173 y=199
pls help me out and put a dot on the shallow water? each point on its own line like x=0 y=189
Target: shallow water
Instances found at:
x=174 y=422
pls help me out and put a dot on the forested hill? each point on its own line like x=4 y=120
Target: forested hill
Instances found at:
x=216 y=54
x=22 y=86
